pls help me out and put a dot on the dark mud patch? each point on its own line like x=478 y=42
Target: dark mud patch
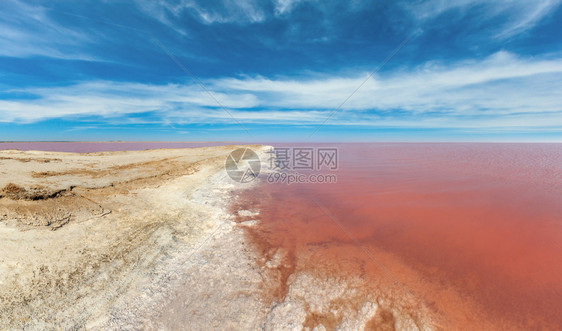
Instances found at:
x=16 y=192
x=382 y=321
x=52 y=213
x=29 y=159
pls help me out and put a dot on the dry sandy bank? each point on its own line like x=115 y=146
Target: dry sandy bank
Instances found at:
x=95 y=240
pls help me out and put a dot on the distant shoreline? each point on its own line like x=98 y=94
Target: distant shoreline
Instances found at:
x=270 y=142
x=112 y=141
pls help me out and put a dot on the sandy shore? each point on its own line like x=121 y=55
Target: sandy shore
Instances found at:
x=102 y=240
x=152 y=240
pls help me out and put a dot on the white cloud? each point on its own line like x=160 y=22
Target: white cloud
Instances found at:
x=113 y=99
x=500 y=91
x=512 y=16
x=27 y=30
x=529 y=16
x=227 y=11
x=285 y=6
x=516 y=16
x=500 y=83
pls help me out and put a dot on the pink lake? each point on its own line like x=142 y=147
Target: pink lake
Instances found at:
x=472 y=230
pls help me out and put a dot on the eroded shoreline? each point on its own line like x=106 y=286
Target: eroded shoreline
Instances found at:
x=322 y=285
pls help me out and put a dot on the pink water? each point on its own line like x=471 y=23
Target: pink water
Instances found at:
x=473 y=231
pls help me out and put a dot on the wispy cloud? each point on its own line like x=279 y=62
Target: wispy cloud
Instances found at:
x=501 y=83
x=223 y=11
x=510 y=17
x=500 y=91
x=26 y=30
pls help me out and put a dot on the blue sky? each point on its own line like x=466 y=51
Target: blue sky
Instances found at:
x=188 y=70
